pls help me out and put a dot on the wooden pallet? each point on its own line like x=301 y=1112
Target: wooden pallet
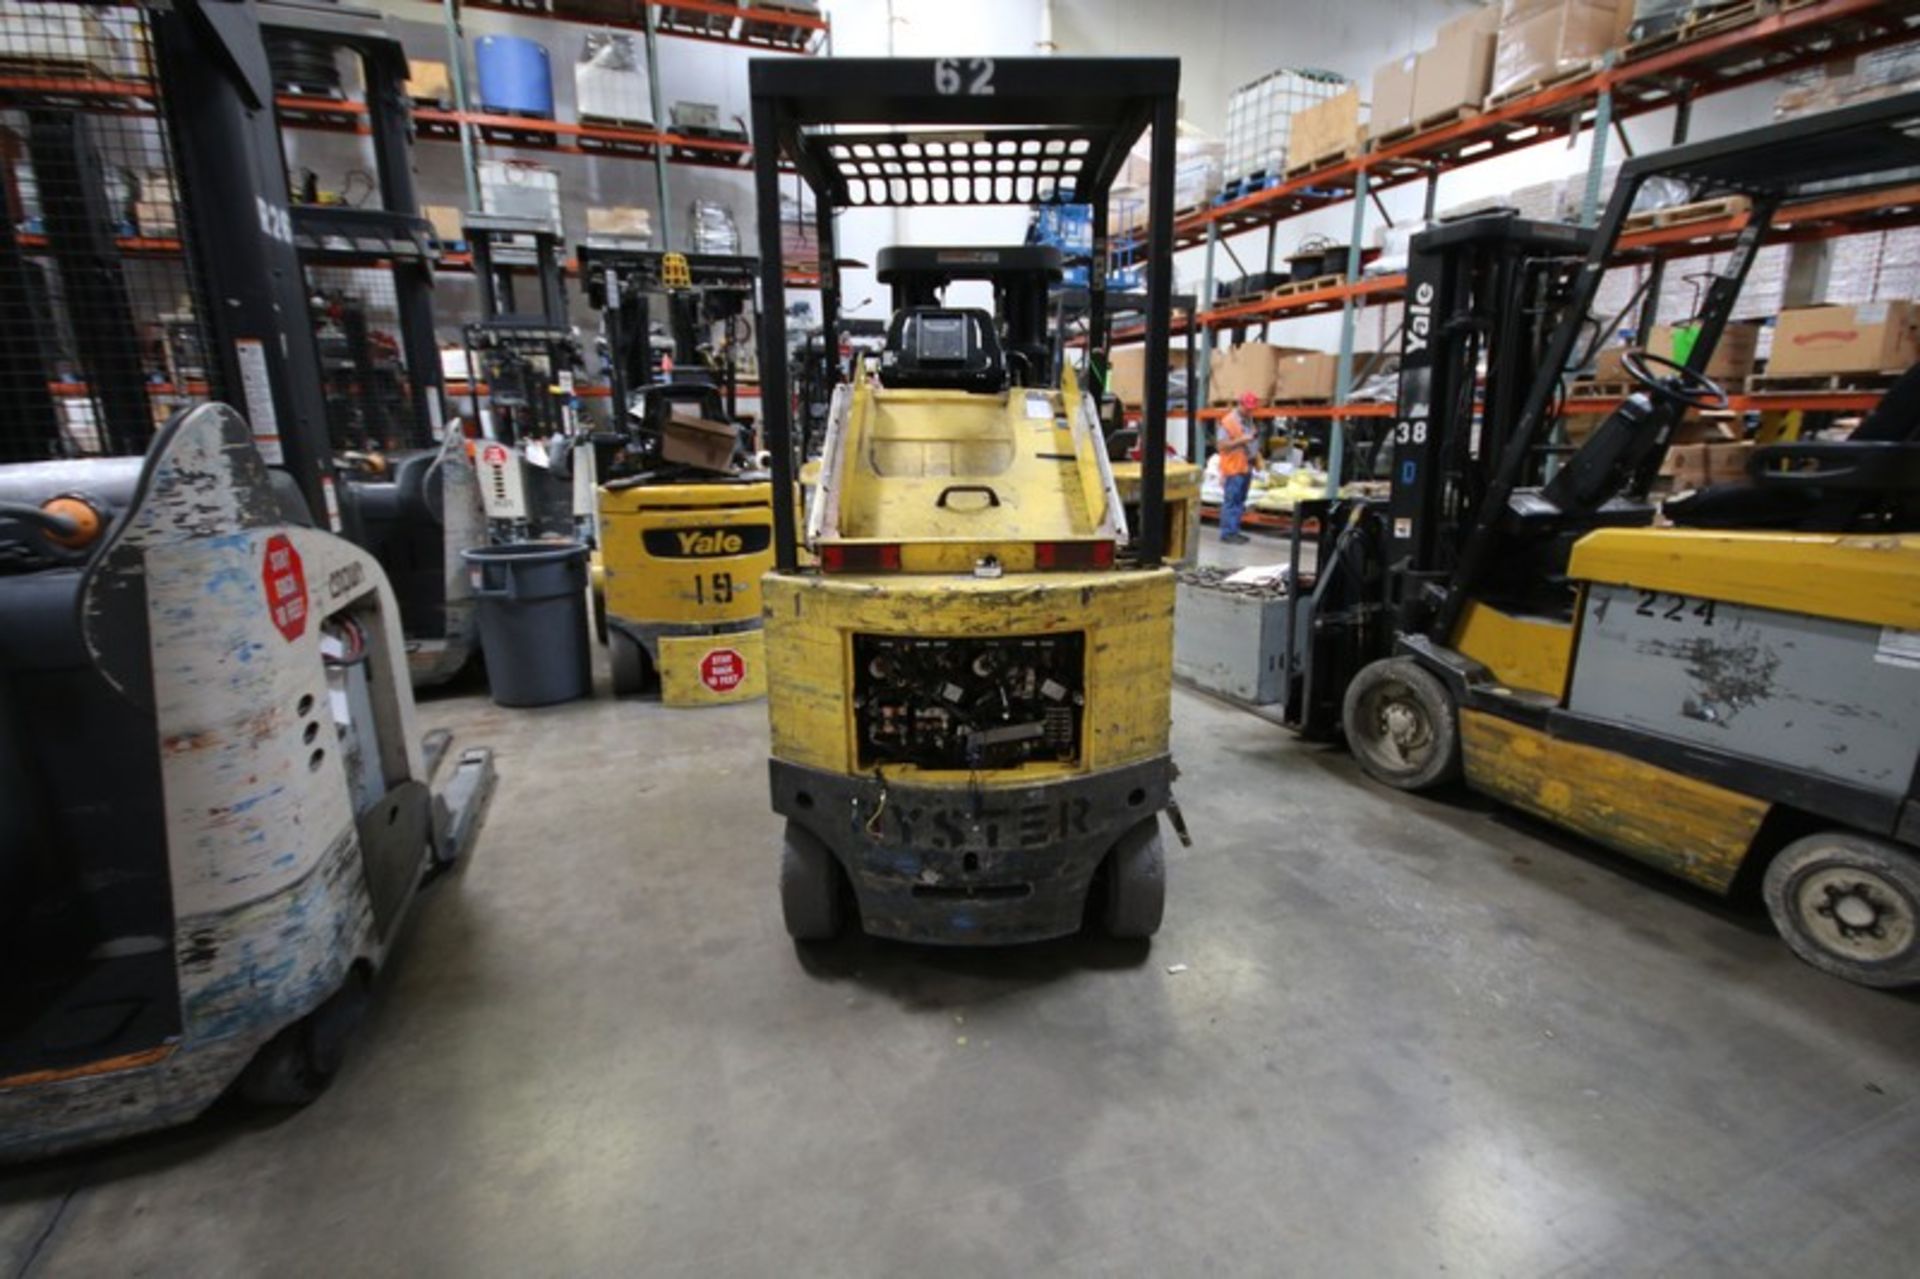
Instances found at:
x=1330 y=158
x=1593 y=389
x=1699 y=24
x=1317 y=283
x=1427 y=125
x=1791 y=383
x=1540 y=83
x=1726 y=206
x=613 y=122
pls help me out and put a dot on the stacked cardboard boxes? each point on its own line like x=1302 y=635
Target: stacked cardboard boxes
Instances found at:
x=1326 y=130
x=1733 y=357
x=1260 y=119
x=1127 y=373
x=1421 y=90
x=1541 y=41
x=1874 y=337
x=1246 y=369
x=1276 y=374
x=1455 y=74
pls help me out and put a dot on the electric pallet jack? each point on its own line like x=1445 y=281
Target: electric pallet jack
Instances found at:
x=217 y=808
x=970 y=679
x=1732 y=695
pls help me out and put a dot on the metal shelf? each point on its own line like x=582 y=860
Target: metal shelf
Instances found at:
x=436 y=124
x=1377 y=289
x=716 y=22
x=1785 y=401
x=1771 y=44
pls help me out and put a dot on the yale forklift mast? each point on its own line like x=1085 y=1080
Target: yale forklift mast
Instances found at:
x=685 y=512
x=1734 y=698
x=704 y=294
x=970 y=679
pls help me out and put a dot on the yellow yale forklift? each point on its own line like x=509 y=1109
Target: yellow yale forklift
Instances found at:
x=1734 y=696
x=969 y=685
x=686 y=514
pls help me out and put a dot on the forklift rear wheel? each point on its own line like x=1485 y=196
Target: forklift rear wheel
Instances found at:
x=811 y=892
x=628 y=657
x=1136 y=883
x=1849 y=905
x=1401 y=726
x=296 y=1065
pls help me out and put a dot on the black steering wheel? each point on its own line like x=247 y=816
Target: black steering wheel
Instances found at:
x=1683 y=387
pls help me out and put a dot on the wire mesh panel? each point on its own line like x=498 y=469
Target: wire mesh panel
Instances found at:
x=101 y=334
x=363 y=367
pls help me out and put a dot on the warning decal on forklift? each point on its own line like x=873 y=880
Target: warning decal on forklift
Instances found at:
x=722 y=670
x=285 y=580
x=1898 y=648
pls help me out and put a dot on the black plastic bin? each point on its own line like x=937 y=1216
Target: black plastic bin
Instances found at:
x=533 y=621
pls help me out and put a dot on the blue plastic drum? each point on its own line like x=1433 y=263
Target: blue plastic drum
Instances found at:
x=516 y=76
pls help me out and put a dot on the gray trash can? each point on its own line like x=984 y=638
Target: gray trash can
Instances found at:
x=533 y=621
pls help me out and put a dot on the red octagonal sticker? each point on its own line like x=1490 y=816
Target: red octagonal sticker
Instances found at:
x=722 y=670
x=285 y=580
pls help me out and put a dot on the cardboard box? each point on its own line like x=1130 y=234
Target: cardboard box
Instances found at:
x=621 y=222
x=1698 y=427
x=428 y=81
x=693 y=441
x=1686 y=466
x=1326 y=129
x=1127 y=372
x=1237 y=370
x=1876 y=337
x=1392 y=106
x=1733 y=359
x=1727 y=462
x=448 y=225
x=1607 y=366
x=1455 y=73
x=1305 y=376
x=1542 y=45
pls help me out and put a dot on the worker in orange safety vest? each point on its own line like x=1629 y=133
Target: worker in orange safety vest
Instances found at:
x=1236 y=442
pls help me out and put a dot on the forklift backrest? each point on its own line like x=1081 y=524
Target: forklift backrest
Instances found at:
x=943 y=348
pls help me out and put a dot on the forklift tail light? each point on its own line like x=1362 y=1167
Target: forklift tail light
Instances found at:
x=1073 y=554
x=871 y=558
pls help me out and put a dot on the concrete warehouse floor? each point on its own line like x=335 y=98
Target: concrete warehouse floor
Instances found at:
x=1378 y=1036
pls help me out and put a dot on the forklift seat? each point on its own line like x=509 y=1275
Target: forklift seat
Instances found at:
x=1871 y=480
x=943 y=348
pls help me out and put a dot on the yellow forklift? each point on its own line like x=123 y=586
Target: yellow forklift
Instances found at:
x=1731 y=693
x=970 y=685
x=686 y=514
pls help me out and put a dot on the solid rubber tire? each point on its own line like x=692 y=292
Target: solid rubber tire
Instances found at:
x=1136 y=883
x=811 y=899
x=300 y=1063
x=1890 y=863
x=1424 y=690
x=627 y=657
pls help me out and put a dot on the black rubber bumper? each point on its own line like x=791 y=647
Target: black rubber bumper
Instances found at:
x=971 y=865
